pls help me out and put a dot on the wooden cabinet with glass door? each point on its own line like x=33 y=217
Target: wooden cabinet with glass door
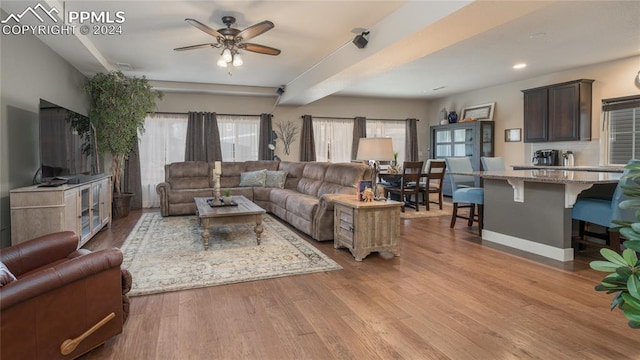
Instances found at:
x=472 y=139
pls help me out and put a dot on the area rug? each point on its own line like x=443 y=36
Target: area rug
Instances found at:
x=166 y=254
x=434 y=210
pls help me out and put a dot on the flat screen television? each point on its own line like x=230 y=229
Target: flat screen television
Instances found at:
x=63 y=152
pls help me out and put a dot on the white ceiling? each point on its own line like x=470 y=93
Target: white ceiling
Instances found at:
x=414 y=46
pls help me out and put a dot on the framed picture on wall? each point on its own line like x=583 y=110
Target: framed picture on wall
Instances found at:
x=512 y=135
x=479 y=112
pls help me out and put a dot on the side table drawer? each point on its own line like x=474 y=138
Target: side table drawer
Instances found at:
x=343 y=223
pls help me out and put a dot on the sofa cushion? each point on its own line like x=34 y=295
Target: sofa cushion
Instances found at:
x=253 y=178
x=186 y=195
x=188 y=175
x=294 y=173
x=342 y=178
x=252 y=165
x=312 y=178
x=5 y=275
x=279 y=197
x=230 y=174
x=303 y=206
x=275 y=179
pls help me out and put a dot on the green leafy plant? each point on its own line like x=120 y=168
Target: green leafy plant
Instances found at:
x=119 y=105
x=624 y=277
x=226 y=192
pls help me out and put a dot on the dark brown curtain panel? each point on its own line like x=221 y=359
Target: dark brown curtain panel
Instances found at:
x=359 y=131
x=203 y=138
x=411 y=146
x=264 y=138
x=307 y=144
x=132 y=180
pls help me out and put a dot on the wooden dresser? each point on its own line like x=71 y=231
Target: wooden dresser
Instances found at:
x=83 y=208
x=365 y=227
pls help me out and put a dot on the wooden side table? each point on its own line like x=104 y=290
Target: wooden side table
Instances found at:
x=364 y=227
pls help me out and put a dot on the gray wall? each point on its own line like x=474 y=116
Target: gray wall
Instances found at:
x=29 y=71
x=612 y=79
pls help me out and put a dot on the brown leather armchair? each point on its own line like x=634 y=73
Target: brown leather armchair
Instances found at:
x=64 y=302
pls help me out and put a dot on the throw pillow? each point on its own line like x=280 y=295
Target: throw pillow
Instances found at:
x=253 y=178
x=276 y=179
x=5 y=275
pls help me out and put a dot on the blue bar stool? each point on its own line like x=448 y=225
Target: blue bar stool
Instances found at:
x=602 y=212
x=492 y=163
x=465 y=195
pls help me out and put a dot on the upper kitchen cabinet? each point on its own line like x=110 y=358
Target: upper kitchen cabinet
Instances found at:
x=560 y=112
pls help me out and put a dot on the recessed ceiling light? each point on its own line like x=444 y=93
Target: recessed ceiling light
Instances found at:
x=123 y=66
x=520 y=66
x=537 y=35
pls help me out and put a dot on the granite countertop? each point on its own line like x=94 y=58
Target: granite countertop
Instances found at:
x=572 y=168
x=553 y=175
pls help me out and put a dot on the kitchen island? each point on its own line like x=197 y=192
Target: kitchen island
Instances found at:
x=530 y=210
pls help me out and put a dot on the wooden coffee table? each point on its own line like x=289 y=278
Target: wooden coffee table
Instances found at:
x=245 y=212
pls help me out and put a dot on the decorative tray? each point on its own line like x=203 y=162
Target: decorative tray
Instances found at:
x=212 y=204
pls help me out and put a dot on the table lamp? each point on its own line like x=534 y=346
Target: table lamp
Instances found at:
x=375 y=149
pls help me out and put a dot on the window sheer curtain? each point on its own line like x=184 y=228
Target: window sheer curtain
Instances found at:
x=239 y=137
x=307 y=143
x=163 y=142
x=333 y=139
x=394 y=129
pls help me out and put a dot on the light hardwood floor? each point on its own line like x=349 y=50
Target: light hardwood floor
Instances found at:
x=446 y=296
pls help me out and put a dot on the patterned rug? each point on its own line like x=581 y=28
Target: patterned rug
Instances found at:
x=166 y=254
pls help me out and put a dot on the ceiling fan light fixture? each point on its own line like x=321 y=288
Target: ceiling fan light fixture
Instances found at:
x=226 y=55
x=237 y=60
x=221 y=62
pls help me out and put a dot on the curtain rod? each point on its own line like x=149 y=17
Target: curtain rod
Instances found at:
x=186 y=113
x=351 y=118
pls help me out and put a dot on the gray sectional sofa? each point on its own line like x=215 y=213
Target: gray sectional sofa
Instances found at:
x=303 y=198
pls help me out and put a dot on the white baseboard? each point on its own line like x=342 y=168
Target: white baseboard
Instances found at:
x=528 y=246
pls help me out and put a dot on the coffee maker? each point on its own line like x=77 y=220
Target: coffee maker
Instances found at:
x=547 y=157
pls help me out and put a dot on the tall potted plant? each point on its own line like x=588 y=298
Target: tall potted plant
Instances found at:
x=624 y=269
x=119 y=105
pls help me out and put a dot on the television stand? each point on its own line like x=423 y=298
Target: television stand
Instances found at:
x=82 y=208
x=81 y=179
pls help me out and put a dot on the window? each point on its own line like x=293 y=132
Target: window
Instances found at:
x=396 y=130
x=239 y=137
x=623 y=140
x=163 y=142
x=333 y=139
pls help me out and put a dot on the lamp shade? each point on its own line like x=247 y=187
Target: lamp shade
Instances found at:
x=380 y=149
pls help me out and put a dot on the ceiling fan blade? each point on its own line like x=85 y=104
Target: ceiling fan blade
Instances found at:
x=255 y=30
x=204 y=28
x=260 y=49
x=192 y=47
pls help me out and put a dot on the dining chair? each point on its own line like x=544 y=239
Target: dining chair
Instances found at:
x=602 y=212
x=492 y=163
x=432 y=183
x=409 y=184
x=465 y=196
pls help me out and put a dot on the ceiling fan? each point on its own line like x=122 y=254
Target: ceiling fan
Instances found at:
x=231 y=40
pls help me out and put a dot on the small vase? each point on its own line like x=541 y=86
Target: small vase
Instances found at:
x=227 y=199
x=452 y=117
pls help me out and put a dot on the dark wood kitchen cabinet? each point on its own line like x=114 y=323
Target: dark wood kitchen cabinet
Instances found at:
x=560 y=112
